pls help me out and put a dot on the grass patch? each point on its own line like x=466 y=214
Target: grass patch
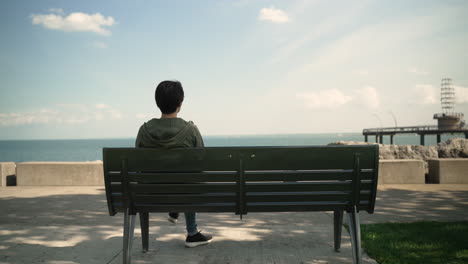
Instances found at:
x=416 y=243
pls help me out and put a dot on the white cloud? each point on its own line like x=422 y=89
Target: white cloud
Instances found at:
x=100 y=45
x=273 y=15
x=361 y=72
x=311 y=33
x=417 y=71
x=461 y=94
x=61 y=114
x=373 y=44
x=334 y=98
x=426 y=94
x=75 y=22
x=325 y=99
x=143 y=116
x=368 y=96
x=102 y=106
x=56 y=10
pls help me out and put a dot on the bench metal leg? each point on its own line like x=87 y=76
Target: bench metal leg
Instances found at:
x=144 y=224
x=355 y=232
x=338 y=226
x=129 y=227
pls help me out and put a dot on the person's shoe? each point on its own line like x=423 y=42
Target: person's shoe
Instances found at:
x=197 y=240
x=172 y=219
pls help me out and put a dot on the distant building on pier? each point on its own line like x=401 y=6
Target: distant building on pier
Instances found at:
x=448 y=122
x=448 y=119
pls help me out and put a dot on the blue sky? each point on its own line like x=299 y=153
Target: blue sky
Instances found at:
x=88 y=69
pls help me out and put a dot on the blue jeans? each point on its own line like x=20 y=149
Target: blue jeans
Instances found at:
x=190 y=222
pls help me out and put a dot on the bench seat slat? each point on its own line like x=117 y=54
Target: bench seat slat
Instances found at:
x=319 y=158
x=294 y=207
x=183 y=188
x=177 y=177
x=302 y=197
x=309 y=175
x=183 y=198
x=183 y=165
x=297 y=187
x=302 y=186
x=203 y=208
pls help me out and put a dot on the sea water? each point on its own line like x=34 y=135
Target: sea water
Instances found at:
x=91 y=149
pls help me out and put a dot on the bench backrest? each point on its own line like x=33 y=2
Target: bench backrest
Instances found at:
x=241 y=179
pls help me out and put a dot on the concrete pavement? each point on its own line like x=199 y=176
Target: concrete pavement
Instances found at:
x=64 y=225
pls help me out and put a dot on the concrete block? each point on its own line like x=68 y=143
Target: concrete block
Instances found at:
x=60 y=174
x=401 y=171
x=448 y=171
x=7 y=173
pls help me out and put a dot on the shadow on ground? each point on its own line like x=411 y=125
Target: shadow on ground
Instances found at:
x=76 y=228
x=64 y=226
x=409 y=203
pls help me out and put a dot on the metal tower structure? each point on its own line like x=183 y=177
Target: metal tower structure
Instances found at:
x=448 y=119
x=448 y=122
x=447 y=96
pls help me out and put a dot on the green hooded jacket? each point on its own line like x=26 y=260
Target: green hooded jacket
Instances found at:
x=168 y=133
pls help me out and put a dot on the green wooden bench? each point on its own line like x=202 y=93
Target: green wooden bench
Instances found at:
x=241 y=180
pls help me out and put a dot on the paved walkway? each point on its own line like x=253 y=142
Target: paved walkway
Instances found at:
x=65 y=225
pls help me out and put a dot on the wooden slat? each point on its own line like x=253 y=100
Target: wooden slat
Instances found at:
x=297 y=187
x=302 y=186
x=307 y=158
x=372 y=199
x=200 y=208
x=301 y=197
x=293 y=207
x=177 y=188
x=177 y=177
x=295 y=175
x=256 y=158
x=176 y=160
x=184 y=198
x=183 y=188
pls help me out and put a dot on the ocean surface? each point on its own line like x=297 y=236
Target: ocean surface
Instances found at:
x=91 y=149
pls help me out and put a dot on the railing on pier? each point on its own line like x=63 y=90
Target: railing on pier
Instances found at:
x=421 y=130
x=407 y=129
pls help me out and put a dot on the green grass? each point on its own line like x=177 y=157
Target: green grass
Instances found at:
x=416 y=243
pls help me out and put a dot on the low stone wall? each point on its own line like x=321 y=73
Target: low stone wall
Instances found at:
x=59 y=174
x=401 y=171
x=448 y=171
x=7 y=173
x=91 y=173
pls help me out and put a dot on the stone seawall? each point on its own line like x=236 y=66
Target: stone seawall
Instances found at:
x=448 y=171
x=7 y=173
x=452 y=148
x=399 y=171
x=60 y=174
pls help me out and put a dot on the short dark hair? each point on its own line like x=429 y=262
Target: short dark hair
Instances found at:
x=169 y=95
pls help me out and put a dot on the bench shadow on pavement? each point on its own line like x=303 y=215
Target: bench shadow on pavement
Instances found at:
x=76 y=228
x=408 y=205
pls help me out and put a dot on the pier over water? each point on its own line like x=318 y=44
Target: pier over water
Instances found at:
x=422 y=131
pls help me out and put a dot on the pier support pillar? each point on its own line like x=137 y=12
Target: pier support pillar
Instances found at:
x=365 y=138
x=391 y=139
x=381 y=139
x=438 y=138
x=376 y=139
x=466 y=135
x=422 y=139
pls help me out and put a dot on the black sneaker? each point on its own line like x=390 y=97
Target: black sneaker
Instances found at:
x=197 y=240
x=172 y=217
